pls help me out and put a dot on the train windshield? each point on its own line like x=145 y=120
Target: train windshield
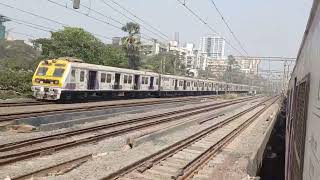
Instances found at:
x=42 y=71
x=58 y=72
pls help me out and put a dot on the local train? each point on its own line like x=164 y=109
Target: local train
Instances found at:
x=303 y=106
x=71 y=78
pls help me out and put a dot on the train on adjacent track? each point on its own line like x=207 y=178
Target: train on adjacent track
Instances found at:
x=70 y=78
x=303 y=106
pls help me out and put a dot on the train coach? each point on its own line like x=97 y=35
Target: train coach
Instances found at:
x=70 y=78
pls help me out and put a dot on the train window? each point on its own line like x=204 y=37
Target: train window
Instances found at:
x=125 y=79
x=146 y=81
x=205 y=84
x=82 y=76
x=103 y=77
x=172 y=82
x=58 y=72
x=180 y=83
x=195 y=84
x=73 y=75
x=188 y=84
x=157 y=81
x=42 y=71
x=143 y=80
x=109 y=78
x=130 y=80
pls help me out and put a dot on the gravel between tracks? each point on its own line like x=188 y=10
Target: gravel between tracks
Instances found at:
x=232 y=162
x=22 y=109
x=14 y=136
x=110 y=154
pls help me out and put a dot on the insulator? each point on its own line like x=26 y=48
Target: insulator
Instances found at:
x=76 y=4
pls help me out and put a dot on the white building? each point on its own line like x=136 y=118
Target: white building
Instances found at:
x=213 y=46
x=248 y=65
x=153 y=48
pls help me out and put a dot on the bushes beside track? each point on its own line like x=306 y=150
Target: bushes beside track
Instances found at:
x=15 y=83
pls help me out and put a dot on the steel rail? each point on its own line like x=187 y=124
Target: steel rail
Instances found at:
x=10 y=158
x=13 y=116
x=31 y=103
x=48 y=170
x=193 y=166
x=147 y=162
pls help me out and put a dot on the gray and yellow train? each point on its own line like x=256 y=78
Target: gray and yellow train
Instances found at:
x=70 y=78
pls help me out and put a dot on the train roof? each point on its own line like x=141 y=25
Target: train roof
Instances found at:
x=75 y=62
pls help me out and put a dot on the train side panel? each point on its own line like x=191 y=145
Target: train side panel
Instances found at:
x=303 y=107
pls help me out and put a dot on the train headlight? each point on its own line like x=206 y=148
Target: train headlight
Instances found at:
x=56 y=82
x=37 y=80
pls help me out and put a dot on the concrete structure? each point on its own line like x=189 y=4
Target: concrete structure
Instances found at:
x=248 y=66
x=213 y=46
x=217 y=67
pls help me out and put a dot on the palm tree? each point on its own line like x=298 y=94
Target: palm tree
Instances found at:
x=132 y=44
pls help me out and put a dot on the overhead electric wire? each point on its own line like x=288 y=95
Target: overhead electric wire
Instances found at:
x=204 y=22
x=48 y=29
x=23 y=34
x=134 y=15
x=228 y=26
x=18 y=21
x=131 y=19
x=92 y=17
x=79 y=12
x=45 y=18
x=109 y=17
x=21 y=10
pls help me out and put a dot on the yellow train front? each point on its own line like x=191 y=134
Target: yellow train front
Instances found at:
x=49 y=78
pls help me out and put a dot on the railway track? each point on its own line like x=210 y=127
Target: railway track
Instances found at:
x=31 y=103
x=17 y=151
x=185 y=158
x=12 y=116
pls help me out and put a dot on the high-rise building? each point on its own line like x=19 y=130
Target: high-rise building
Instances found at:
x=2 y=31
x=213 y=46
x=2 y=27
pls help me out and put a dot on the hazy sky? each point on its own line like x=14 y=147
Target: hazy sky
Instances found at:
x=265 y=28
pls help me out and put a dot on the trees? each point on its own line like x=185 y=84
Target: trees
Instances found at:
x=131 y=44
x=17 y=55
x=72 y=42
x=76 y=42
x=167 y=61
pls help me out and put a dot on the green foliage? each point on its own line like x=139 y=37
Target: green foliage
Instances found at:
x=15 y=83
x=72 y=42
x=114 y=56
x=18 y=55
x=17 y=60
x=131 y=44
x=76 y=42
x=170 y=64
x=132 y=28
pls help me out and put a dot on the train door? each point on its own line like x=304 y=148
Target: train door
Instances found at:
x=92 y=81
x=184 y=85
x=176 y=84
x=117 y=78
x=151 y=82
x=136 y=82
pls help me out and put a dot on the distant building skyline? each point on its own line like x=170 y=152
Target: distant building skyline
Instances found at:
x=213 y=46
